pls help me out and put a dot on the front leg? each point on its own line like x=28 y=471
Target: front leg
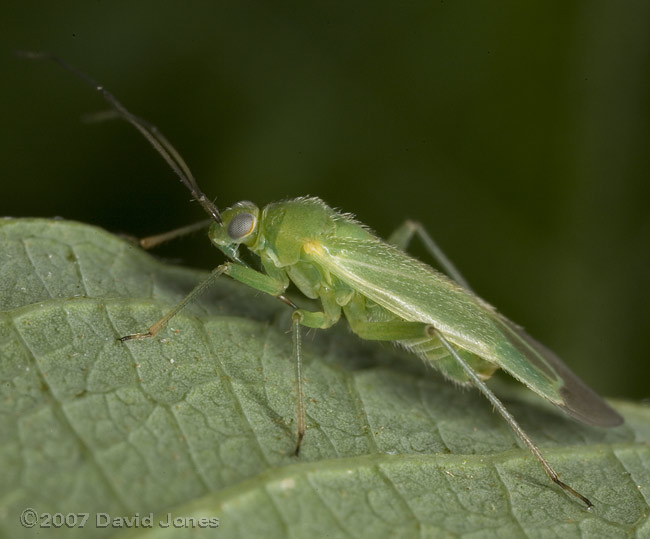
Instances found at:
x=243 y=274
x=274 y=286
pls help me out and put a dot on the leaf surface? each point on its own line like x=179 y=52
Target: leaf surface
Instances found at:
x=200 y=421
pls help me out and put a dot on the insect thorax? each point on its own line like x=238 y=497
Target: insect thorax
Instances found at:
x=287 y=226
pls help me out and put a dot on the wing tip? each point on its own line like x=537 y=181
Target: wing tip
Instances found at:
x=590 y=411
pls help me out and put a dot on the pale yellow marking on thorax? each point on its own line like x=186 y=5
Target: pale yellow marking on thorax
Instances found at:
x=313 y=247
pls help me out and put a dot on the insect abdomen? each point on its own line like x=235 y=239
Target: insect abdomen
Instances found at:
x=431 y=350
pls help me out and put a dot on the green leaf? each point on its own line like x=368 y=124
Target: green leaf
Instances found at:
x=200 y=421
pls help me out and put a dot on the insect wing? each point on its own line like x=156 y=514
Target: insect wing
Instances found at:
x=416 y=292
x=410 y=289
x=576 y=398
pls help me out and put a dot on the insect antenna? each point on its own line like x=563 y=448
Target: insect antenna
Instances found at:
x=148 y=131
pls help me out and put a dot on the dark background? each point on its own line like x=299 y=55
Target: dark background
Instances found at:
x=517 y=133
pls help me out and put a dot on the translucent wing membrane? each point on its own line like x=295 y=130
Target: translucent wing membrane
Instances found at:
x=574 y=396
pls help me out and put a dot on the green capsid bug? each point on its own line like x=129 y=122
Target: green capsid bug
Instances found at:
x=383 y=293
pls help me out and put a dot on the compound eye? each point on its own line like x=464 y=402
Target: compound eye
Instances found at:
x=241 y=225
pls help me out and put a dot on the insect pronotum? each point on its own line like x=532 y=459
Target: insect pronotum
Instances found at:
x=384 y=293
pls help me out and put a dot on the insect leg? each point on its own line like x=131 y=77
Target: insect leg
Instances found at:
x=315 y=319
x=385 y=329
x=300 y=401
x=403 y=236
x=244 y=274
x=498 y=405
x=275 y=286
x=155 y=328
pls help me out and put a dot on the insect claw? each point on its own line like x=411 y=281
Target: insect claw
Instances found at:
x=573 y=492
x=297 y=451
x=287 y=301
x=135 y=336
